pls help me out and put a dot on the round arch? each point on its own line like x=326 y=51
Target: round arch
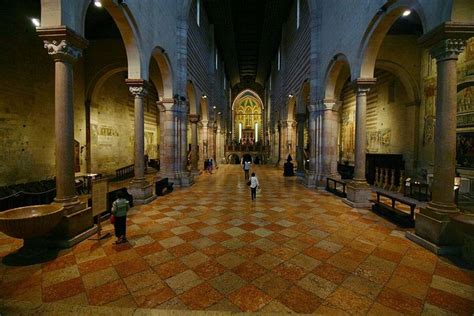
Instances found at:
x=128 y=28
x=376 y=32
x=336 y=75
x=410 y=84
x=166 y=74
x=303 y=97
x=100 y=78
x=191 y=96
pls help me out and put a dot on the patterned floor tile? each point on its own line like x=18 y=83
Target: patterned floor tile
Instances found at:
x=209 y=247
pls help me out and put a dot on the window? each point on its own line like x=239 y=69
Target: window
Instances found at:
x=224 y=82
x=297 y=14
x=270 y=83
x=198 y=12
x=279 y=59
x=217 y=59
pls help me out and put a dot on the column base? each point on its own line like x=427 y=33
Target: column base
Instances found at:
x=63 y=243
x=76 y=225
x=438 y=250
x=186 y=179
x=309 y=181
x=142 y=192
x=436 y=227
x=358 y=194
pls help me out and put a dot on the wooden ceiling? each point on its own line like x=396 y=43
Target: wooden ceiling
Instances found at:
x=248 y=33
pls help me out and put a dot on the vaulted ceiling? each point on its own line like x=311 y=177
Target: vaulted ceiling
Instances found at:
x=247 y=34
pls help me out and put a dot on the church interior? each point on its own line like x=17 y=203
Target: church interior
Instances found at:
x=356 y=117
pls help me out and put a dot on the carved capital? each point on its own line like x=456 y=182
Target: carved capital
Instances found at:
x=166 y=104
x=363 y=85
x=448 y=49
x=137 y=87
x=194 y=118
x=62 y=43
x=62 y=50
x=331 y=105
x=284 y=124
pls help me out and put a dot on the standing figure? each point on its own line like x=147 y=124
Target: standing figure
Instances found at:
x=119 y=209
x=246 y=169
x=253 y=186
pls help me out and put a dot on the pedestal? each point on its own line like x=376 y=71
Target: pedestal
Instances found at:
x=142 y=192
x=358 y=195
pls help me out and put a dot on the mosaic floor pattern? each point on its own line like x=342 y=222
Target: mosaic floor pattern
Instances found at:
x=209 y=247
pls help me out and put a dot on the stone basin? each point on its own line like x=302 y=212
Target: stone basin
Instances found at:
x=30 y=221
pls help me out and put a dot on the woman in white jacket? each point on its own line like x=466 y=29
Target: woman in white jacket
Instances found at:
x=254 y=185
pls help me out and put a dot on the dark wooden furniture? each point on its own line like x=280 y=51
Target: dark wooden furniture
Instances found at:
x=392 y=212
x=335 y=189
x=346 y=171
x=163 y=184
x=124 y=173
x=418 y=190
x=389 y=161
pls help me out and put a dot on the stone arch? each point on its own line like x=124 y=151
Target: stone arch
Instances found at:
x=376 y=32
x=303 y=97
x=191 y=96
x=410 y=84
x=241 y=93
x=128 y=28
x=166 y=74
x=336 y=75
x=462 y=11
x=100 y=78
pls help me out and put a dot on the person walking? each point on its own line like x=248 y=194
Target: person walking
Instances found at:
x=119 y=210
x=253 y=186
x=246 y=169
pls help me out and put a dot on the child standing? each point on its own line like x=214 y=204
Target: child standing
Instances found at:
x=119 y=209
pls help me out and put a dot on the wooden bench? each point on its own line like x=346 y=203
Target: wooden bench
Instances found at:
x=392 y=212
x=335 y=189
x=163 y=184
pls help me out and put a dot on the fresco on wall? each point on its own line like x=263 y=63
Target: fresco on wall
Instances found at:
x=379 y=141
x=465 y=149
x=465 y=107
x=348 y=136
x=469 y=50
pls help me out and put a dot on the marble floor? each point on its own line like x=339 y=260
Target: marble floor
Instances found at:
x=209 y=247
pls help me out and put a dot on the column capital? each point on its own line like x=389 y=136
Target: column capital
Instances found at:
x=447 y=30
x=62 y=43
x=363 y=85
x=449 y=48
x=194 y=118
x=332 y=105
x=138 y=87
x=284 y=124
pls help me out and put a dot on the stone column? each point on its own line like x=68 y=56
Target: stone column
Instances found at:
x=66 y=47
x=310 y=177
x=301 y=120
x=358 y=190
x=169 y=139
x=433 y=223
x=194 y=119
x=204 y=142
x=330 y=130
x=140 y=189
x=283 y=143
